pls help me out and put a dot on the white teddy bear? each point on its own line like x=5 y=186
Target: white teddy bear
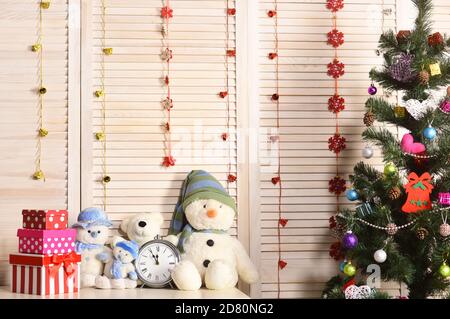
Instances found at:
x=119 y=272
x=142 y=227
x=92 y=235
x=210 y=255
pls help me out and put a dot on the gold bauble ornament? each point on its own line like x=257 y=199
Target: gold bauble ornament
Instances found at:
x=108 y=51
x=42 y=90
x=45 y=4
x=106 y=179
x=43 y=132
x=99 y=93
x=39 y=174
x=36 y=47
x=390 y=170
x=100 y=136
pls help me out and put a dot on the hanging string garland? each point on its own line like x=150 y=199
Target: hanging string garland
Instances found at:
x=42 y=90
x=336 y=103
x=229 y=53
x=167 y=102
x=100 y=93
x=276 y=180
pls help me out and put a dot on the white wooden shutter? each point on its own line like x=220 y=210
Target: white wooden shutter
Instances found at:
x=134 y=89
x=306 y=125
x=19 y=115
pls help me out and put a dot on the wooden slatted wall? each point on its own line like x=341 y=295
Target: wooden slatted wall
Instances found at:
x=19 y=115
x=135 y=88
x=306 y=125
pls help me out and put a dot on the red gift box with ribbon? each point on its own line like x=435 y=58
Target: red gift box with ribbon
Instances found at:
x=45 y=275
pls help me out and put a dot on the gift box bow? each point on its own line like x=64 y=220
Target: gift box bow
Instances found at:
x=68 y=261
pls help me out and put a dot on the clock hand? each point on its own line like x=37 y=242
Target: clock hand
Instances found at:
x=154 y=257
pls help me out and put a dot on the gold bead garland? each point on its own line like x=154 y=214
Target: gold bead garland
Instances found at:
x=101 y=94
x=41 y=91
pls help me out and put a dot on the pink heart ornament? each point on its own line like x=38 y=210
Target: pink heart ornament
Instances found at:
x=408 y=146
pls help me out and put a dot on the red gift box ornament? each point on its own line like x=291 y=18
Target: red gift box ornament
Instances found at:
x=335 y=5
x=418 y=190
x=166 y=12
x=435 y=39
x=282 y=264
x=336 y=69
x=231 y=178
x=283 y=222
x=231 y=11
x=168 y=161
x=335 y=38
x=336 y=104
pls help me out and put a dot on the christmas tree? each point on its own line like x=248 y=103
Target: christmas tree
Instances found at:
x=400 y=220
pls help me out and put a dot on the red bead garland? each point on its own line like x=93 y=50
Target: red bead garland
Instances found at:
x=167 y=102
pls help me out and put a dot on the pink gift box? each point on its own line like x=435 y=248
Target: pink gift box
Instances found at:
x=46 y=242
x=44 y=219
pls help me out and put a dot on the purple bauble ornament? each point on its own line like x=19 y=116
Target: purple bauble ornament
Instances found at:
x=445 y=106
x=372 y=89
x=349 y=240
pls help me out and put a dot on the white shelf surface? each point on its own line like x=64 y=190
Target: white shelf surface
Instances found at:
x=138 y=293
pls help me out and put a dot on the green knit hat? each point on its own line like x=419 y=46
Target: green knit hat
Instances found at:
x=198 y=185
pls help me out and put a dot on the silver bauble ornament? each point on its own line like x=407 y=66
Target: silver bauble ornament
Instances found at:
x=380 y=256
x=367 y=152
x=444 y=230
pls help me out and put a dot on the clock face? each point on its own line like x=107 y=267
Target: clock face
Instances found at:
x=155 y=262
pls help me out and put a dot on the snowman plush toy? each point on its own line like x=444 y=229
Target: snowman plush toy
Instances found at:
x=92 y=235
x=209 y=255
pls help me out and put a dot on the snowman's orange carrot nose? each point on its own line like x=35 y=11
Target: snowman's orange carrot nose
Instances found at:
x=211 y=213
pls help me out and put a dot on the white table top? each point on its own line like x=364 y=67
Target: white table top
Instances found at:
x=138 y=293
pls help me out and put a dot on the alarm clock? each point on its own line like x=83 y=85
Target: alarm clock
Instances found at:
x=155 y=262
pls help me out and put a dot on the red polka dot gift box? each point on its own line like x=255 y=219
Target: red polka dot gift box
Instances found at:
x=46 y=242
x=45 y=275
x=44 y=219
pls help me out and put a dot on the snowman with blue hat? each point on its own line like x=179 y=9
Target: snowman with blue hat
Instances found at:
x=199 y=227
x=92 y=235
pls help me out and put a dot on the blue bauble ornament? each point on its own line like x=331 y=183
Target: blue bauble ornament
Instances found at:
x=352 y=195
x=429 y=133
x=342 y=266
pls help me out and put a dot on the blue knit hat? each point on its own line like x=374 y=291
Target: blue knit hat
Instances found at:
x=131 y=246
x=92 y=216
